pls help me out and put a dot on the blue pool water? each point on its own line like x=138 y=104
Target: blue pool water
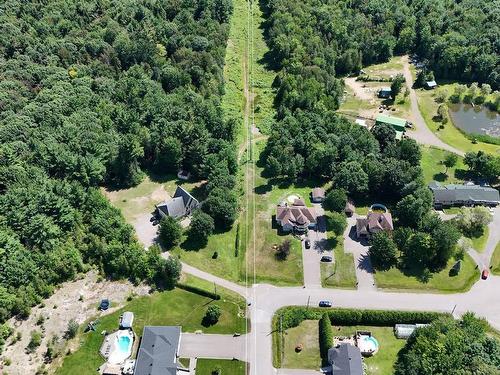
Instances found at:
x=124 y=344
x=371 y=342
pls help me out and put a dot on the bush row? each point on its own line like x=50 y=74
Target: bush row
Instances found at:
x=293 y=316
x=325 y=336
x=199 y=291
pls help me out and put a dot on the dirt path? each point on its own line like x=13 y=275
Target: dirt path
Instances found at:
x=65 y=304
x=422 y=134
x=361 y=92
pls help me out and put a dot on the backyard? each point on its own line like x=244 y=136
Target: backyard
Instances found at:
x=306 y=334
x=413 y=279
x=174 y=307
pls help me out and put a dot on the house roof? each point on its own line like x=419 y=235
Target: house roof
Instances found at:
x=464 y=193
x=386 y=89
x=379 y=220
x=127 y=319
x=431 y=83
x=395 y=121
x=295 y=215
x=345 y=360
x=179 y=205
x=349 y=207
x=157 y=353
x=318 y=192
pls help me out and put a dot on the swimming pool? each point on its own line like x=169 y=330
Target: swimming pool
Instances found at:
x=121 y=346
x=124 y=343
x=368 y=345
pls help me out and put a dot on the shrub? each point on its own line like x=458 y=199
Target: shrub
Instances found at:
x=212 y=315
x=337 y=223
x=283 y=250
x=325 y=337
x=35 y=341
x=170 y=232
x=72 y=329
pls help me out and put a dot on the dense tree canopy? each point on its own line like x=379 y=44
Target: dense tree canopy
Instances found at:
x=94 y=92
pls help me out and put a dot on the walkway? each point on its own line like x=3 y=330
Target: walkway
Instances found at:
x=422 y=134
x=359 y=250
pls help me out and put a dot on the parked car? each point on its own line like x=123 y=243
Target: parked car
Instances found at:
x=485 y=274
x=307 y=243
x=325 y=304
x=104 y=305
x=326 y=258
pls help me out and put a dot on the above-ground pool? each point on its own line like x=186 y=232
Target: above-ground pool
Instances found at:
x=121 y=346
x=368 y=345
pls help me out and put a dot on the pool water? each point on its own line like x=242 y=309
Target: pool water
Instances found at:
x=369 y=343
x=124 y=344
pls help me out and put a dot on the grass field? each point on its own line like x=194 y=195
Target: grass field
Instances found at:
x=306 y=334
x=478 y=243
x=439 y=282
x=226 y=367
x=341 y=273
x=450 y=134
x=434 y=170
x=175 y=307
x=495 y=260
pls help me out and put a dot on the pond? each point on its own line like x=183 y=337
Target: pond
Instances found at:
x=475 y=120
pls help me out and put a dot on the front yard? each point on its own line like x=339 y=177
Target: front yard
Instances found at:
x=411 y=279
x=226 y=367
x=175 y=307
x=341 y=273
x=434 y=170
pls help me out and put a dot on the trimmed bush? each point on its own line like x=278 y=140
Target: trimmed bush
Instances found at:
x=199 y=291
x=325 y=337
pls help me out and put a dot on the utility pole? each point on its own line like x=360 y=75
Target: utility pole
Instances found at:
x=454 y=307
x=215 y=288
x=308 y=300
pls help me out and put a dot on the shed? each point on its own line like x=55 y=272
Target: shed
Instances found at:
x=349 y=209
x=126 y=320
x=318 y=195
x=431 y=84
x=404 y=331
x=397 y=123
x=384 y=92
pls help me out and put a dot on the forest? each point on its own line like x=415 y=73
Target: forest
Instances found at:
x=93 y=93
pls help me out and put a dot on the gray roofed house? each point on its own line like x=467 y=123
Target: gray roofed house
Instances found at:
x=345 y=360
x=158 y=351
x=181 y=204
x=467 y=194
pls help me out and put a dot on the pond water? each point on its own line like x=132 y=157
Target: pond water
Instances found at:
x=475 y=120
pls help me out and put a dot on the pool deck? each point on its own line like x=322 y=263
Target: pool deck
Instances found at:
x=109 y=345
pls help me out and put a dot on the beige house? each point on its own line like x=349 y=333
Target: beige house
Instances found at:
x=373 y=223
x=296 y=217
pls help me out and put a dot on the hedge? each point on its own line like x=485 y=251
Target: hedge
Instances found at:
x=325 y=337
x=199 y=291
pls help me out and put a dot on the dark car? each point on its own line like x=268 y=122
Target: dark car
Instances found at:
x=307 y=243
x=325 y=304
x=485 y=274
x=104 y=305
x=326 y=258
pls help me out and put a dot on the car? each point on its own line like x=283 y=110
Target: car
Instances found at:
x=326 y=259
x=325 y=304
x=104 y=305
x=485 y=274
x=307 y=243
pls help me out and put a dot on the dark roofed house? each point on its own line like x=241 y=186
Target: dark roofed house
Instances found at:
x=373 y=223
x=296 y=217
x=384 y=92
x=467 y=194
x=318 y=195
x=182 y=204
x=158 y=351
x=345 y=360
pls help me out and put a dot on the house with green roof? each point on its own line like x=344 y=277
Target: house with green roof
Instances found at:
x=396 y=123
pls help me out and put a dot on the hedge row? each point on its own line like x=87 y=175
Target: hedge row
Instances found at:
x=325 y=336
x=199 y=291
x=293 y=316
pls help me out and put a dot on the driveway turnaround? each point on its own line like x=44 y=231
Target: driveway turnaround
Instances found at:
x=213 y=346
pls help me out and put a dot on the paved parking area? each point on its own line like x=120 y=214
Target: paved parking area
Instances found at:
x=213 y=346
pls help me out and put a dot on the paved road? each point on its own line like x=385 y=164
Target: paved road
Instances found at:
x=213 y=346
x=287 y=371
x=422 y=134
x=493 y=239
x=359 y=250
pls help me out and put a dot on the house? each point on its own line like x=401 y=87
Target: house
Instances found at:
x=318 y=195
x=345 y=359
x=384 y=92
x=373 y=223
x=296 y=217
x=182 y=204
x=396 y=123
x=126 y=320
x=349 y=209
x=467 y=194
x=158 y=351
x=431 y=85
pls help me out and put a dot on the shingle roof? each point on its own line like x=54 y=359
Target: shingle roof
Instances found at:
x=181 y=204
x=464 y=193
x=158 y=351
x=345 y=360
x=318 y=193
x=295 y=215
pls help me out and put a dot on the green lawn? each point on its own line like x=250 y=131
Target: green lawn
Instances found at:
x=439 y=282
x=175 y=307
x=341 y=273
x=434 y=170
x=495 y=260
x=391 y=67
x=478 y=243
x=226 y=367
x=450 y=134
x=381 y=363
x=306 y=334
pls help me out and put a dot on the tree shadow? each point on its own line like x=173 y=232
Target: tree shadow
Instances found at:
x=263 y=189
x=365 y=263
x=461 y=174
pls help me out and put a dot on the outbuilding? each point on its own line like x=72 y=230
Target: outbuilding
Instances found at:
x=431 y=85
x=384 y=92
x=126 y=320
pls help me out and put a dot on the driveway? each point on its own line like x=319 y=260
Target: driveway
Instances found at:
x=213 y=346
x=422 y=134
x=359 y=250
